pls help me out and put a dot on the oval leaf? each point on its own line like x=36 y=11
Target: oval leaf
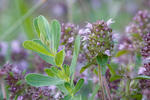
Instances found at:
x=59 y=58
x=38 y=80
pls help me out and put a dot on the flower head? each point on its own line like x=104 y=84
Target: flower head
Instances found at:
x=96 y=38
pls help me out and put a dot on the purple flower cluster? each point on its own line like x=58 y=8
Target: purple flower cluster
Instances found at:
x=68 y=34
x=96 y=38
x=146 y=49
x=140 y=24
x=139 y=28
x=18 y=87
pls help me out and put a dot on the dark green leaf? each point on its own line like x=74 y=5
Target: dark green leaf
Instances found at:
x=115 y=77
x=68 y=87
x=49 y=72
x=39 y=80
x=78 y=86
x=142 y=77
x=102 y=60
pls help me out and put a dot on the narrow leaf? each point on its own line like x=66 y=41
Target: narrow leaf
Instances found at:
x=31 y=45
x=38 y=80
x=48 y=59
x=35 y=23
x=85 y=67
x=121 y=52
x=111 y=70
x=75 y=55
x=55 y=31
x=142 y=77
x=43 y=26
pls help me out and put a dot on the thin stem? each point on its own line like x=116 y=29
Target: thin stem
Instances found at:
x=69 y=4
x=20 y=21
x=3 y=89
x=107 y=88
x=128 y=87
x=101 y=83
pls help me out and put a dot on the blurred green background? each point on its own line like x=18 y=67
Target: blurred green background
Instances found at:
x=16 y=16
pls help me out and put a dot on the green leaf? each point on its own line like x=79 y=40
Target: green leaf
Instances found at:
x=75 y=55
x=111 y=70
x=121 y=52
x=62 y=88
x=67 y=97
x=43 y=26
x=31 y=45
x=115 y=77
x=59 y=58
x=94 y=92
x=49 y=72
x=86 y=66
x=137 y=36
x=138 y=61
x=95 y=71
x=78 y=86
x=55 y=32
x=142 y=77
x=39 y=80
x=35 y=23
x=67 y=70
x=48 y=59
x=68 y=87
x=102 y=60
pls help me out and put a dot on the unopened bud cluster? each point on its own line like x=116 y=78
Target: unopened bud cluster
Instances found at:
x=146 y=49
x=140 y=24
x=139 y=28
x=68 y=33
